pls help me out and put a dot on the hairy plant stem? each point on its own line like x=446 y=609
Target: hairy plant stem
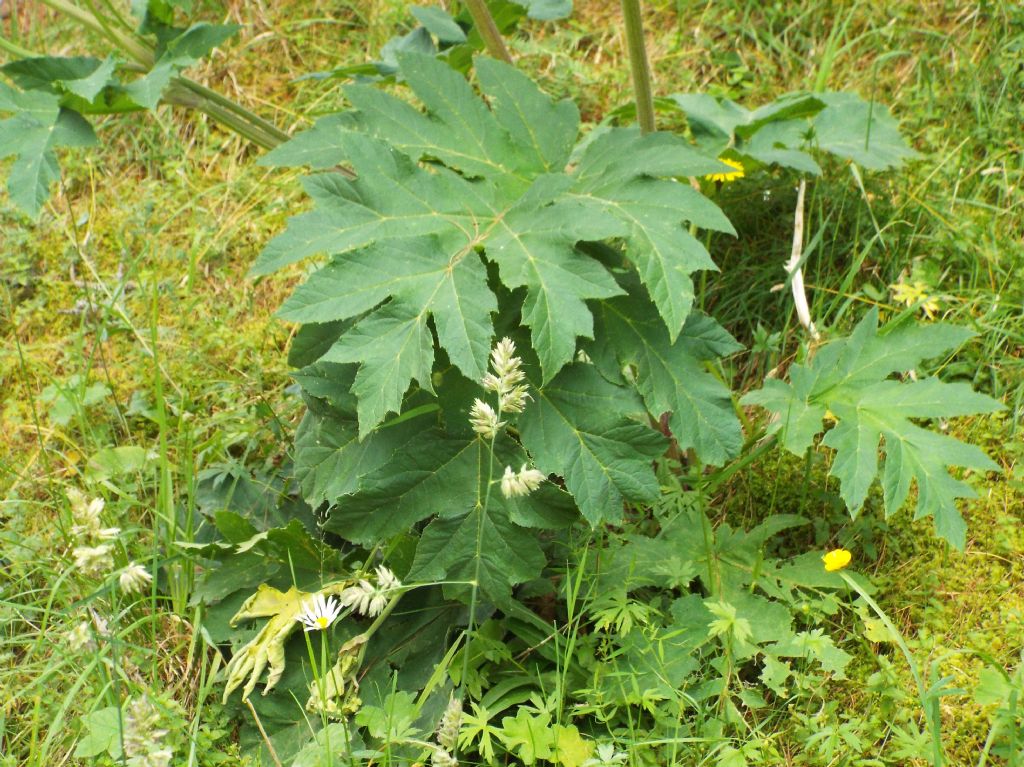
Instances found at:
x=639 y=65
x=250 y=127
x=267 y=128
x=183 y=91
x=15 y=49
x=488 y=30
x=139 y=51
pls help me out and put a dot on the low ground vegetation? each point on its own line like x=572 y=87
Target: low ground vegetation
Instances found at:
x=176 y=447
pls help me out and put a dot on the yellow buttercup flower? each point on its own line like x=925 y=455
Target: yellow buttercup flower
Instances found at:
x=836 y=559
x=908 y=294
x=729 y=176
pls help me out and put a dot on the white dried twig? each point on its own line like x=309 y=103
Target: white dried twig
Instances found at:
x=793 y=269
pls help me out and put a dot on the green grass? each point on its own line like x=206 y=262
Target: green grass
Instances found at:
x=127 y=321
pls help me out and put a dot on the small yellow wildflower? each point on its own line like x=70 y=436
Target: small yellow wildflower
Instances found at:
x=729 y=176
x=836 y=559
x=909 y=294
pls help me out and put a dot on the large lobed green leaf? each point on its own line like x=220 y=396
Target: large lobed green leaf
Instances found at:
x=583 y=428
x=786 y=130
x=442 y=196
x=849 y=380
x=56 y=91
x=442 y=478
x=39 y=126
x=671 y=375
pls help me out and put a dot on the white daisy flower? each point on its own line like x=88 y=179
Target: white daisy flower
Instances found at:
x=319 y=614
x=134 y=579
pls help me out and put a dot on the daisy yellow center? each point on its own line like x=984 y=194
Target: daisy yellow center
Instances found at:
x=321 y=622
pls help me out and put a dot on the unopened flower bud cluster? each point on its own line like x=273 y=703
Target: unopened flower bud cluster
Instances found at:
x=94 y=554
x=507 y=382
x=143 y=737
x=448 y=736
x=368 y=599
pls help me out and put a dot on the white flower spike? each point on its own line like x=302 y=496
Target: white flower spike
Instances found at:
x=80 y=637
x=92 y=560
x=507 y=379
x=522 y=483
x=484 y=420
x=134 y=579
x=367 y=599
x=320 y=614
x=386 y=580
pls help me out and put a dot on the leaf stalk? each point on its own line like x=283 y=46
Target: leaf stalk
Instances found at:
x=484 y=23
x=272 y=135
x=183 y=91
x=142 y=53
x=639 y=65
x=16 y=50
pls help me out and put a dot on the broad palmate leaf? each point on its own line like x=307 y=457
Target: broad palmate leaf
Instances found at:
x=849 y=381
x=444 y=200
x=443 y=477
x=782 y=132
x=582 y=427
x=671 y=376
x=39 y=126
x=56 y=91
x=330 y=460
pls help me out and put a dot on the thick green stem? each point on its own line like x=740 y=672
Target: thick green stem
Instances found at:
x=484 y=23
x=16 y=50
x=183 y=91
x=179 y=95
x=639 y=65
x=142 y=53
x=266 y=127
